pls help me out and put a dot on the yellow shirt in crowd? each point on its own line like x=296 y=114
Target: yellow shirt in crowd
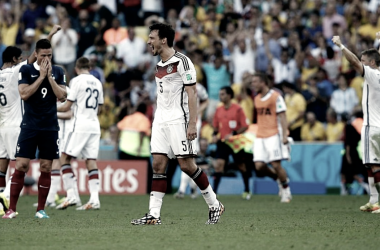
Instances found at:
x=294 y=105
x=315 y=133
x=334 y=131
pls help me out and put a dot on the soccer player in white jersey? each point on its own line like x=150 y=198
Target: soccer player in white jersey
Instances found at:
x=174 y=126
x=368 y=67
x=86 y=95
x=202 y=103
x=11 y=110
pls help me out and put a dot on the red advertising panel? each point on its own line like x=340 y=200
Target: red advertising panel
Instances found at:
x=116 y=177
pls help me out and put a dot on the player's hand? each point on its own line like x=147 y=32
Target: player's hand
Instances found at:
x=336 y=41
x=191 y=132
x=44 y=68
x=285 y=139
x=55 y=29
x=378 y=35
x=49 y=68
x=227 y=137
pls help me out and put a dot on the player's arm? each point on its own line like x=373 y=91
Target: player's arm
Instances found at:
x=192 y=95
x=284 y=126
x=65 y=107
x=25 y=89
x=351 y=57
x=58 y=89
x=65 y=115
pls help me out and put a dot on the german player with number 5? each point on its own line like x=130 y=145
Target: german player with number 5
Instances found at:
x=40 y=84
x=86 y=97
x=174 y=125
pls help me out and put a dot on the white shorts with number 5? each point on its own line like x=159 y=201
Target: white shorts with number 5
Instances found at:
x=170 y=139
x=270 y=149
x=85 y=144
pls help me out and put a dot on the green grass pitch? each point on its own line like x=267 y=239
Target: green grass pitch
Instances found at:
x=308 y=222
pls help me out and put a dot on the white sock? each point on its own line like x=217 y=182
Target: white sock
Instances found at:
x=184 y=181
x=155 y=203
x=365 y=186
x=7 y=190
x=374 y=195
x=55 y=181
x=76 y=192
x=93 y=185
x=343 y=190
x=68 y=184
x=210 y=197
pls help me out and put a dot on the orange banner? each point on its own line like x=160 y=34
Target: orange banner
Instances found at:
x=116 y=177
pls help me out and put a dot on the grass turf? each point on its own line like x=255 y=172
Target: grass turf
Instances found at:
x=308 y=222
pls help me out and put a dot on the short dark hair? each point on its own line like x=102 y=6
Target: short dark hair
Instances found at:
x=228 y=90
x=43 y=44
x=263 y=77
x=372 y=54
x=9 y=53
x=82 y=63
x=164 y=31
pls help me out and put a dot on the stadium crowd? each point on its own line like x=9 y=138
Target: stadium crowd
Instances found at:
x=227 y=40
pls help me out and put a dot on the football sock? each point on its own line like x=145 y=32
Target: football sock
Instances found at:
x=2 y=181
x=159 y=185
x=210 y=197
x=285 y=184
x=68 y=179
x=184 y=182
x=217 y=178
x=245 y=176
x=374 y=195
x=43 y=189
x=93 y=183
x=55 y=181
x=200 y=178
x=343 y=189
x=76 y=191
x=16 y=186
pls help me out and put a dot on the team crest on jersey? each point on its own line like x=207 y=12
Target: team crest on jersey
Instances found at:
x=169 y=69
x=162 y=71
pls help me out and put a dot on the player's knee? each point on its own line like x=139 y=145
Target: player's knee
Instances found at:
x=22 y=167
x=158 y=167
x=45 y=167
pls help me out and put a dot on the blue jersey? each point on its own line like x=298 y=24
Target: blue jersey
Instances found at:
x=41 y=107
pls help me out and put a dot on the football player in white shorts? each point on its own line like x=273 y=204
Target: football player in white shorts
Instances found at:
x=368 y=67
x=11 y=110
x=174 y=126
x=86 y=97
x=202 y=102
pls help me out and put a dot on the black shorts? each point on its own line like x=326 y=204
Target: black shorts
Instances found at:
x=223 y=151
x=29 y=140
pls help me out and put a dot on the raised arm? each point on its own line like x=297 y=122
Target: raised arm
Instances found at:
x=351 y=57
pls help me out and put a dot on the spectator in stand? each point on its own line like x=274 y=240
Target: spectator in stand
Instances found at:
x=95 y=70
x=86 y=31
x=107 y=117
x=120 y=80
x=295 y=110
x=314 y=102
x=242 y=49
x=344 y=99
x=217 y=77
x=331 y=64
x=29 y=41
x=312 y=130
x=32 y=13
x=64 y=47
x=115 y=34
x=332 y=17
x=334 y=128
x=9 y=24
x=131 y=9
x=368 y=30
x=262 y=61
x=284 y=69
x=131 y=49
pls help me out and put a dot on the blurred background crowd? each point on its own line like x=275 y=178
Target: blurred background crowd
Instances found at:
x=227 y=40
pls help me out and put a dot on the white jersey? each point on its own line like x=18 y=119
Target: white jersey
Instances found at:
x=171 y=77
x=371 y=93
x=11 y=105
x=86 y=92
